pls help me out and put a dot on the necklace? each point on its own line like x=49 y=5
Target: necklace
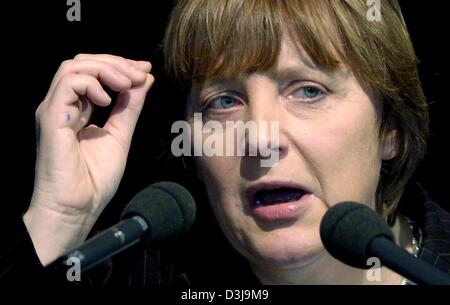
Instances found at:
x=416 y=241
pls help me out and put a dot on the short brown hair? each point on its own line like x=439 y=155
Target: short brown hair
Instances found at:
x=213 y=38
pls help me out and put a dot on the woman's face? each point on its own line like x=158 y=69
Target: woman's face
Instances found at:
x=328 y=148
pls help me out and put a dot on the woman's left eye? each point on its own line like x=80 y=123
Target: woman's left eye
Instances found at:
x=307 y=93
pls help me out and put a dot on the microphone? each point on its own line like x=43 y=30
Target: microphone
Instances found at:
x=352 y=233
x=162 y=211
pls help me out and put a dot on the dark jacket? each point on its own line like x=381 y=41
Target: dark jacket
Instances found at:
x=433 y=221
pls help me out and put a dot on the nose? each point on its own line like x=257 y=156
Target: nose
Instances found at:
x=265 y=138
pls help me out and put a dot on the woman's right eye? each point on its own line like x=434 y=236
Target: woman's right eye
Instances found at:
x=222 y=102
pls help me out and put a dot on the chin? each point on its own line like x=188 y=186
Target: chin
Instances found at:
x=284 y=248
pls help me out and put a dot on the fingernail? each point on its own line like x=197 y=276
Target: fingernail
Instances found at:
x=146 y=65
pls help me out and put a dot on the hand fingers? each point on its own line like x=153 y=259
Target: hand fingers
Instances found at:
x=145 y=66
x=125 y=66
x=106 y=73
x=66 y=105
x=77 y=84
x=124 y=116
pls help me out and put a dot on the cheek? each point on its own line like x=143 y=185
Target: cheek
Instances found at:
x=220 y=175
x=218 y=172
x=343 y=154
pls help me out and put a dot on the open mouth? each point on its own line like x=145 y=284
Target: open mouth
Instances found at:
x=274 y=196
x=278 y=200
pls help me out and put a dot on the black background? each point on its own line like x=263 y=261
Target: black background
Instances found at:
x=36 y=38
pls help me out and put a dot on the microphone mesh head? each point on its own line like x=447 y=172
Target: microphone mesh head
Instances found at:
x=348 y=228
x=167 y=207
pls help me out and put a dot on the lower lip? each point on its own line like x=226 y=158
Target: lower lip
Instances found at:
x=281 y=211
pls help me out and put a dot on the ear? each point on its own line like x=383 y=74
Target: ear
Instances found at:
x=389 y=145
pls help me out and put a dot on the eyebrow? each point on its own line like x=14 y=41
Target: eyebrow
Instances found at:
x=296 y=71
x=288 y=72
